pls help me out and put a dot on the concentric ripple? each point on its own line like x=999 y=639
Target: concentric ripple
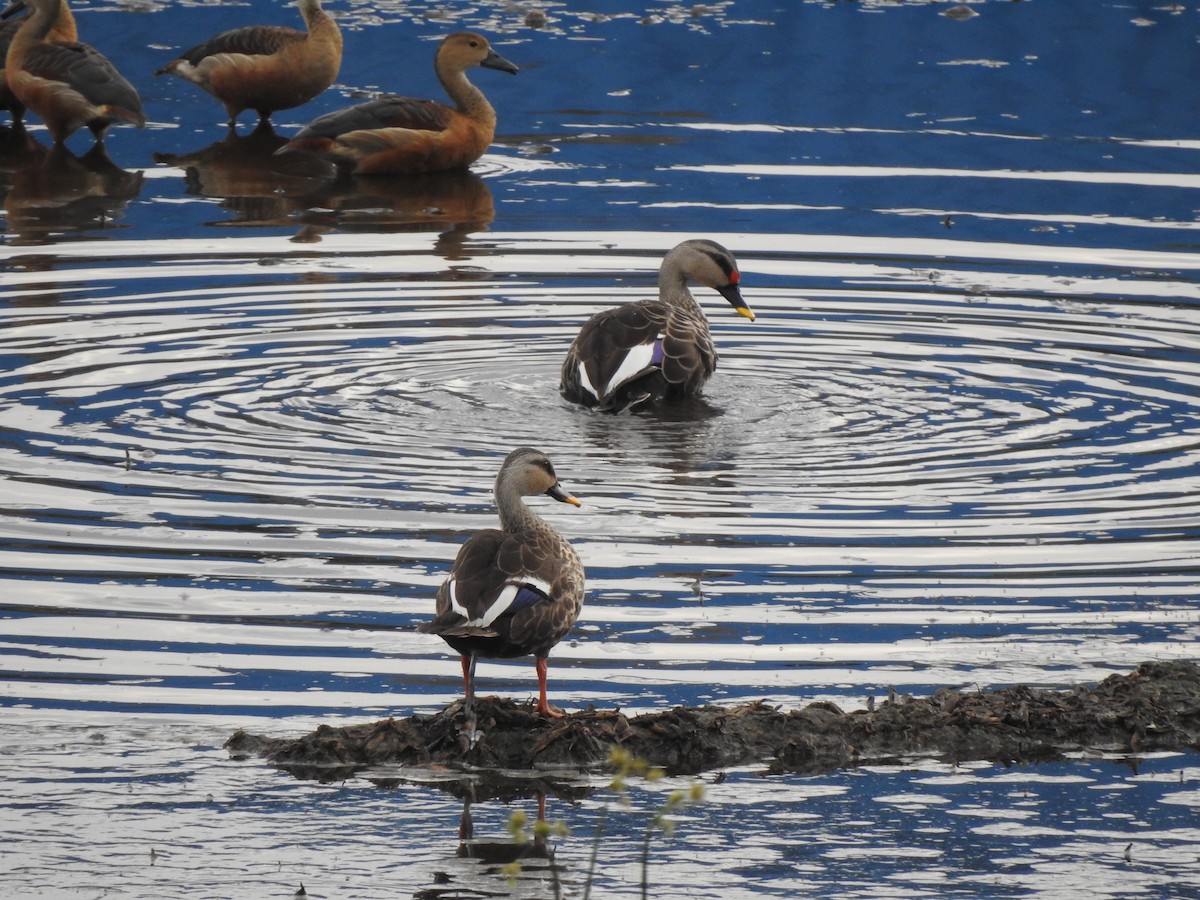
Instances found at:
x=908 y=469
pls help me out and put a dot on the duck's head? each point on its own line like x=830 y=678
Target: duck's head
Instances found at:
x=708 y=263
x=529 y=471
x=465 y=49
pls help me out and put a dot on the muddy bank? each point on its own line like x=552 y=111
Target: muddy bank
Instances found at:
x=1156 y=707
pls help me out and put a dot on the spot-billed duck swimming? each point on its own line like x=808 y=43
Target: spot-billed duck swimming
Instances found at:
x=265 y=67
x=63 y=30
x=654 y=349
x=404 y=136
x=515 y=590
x=68 y=84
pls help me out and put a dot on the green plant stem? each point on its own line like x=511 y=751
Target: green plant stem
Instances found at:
x=646 y=864
x=600 y=822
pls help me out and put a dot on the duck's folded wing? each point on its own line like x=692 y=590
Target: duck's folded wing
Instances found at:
x=494 y=576
x=252 y=40
x=384 y=112
x=87 y=72
x=615 y=347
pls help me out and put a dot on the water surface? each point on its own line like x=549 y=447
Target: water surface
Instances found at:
x=249 y=415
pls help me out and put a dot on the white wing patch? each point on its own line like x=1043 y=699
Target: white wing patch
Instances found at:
x=586 y=382
x=455 y=606
x=635 y=361
x=500 y=605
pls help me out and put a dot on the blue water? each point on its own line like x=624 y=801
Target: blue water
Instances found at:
x=247 y=417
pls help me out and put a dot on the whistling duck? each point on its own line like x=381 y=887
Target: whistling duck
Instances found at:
x=265 y=67
x=63 y=30
x=516 y=590
x=69 y=85
x=404 y=136
x=654 y=349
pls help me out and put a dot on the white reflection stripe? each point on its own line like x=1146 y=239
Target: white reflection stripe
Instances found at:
x=1146 y=179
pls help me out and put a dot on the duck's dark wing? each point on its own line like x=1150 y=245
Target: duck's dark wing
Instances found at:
x=251 y=40
x=639 y=352
x=383 y=112
x=613 y=348
x=88 y=72
x=475 y=581
x=507 y=595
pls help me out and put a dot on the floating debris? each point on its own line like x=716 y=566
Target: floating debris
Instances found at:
x=959 y=13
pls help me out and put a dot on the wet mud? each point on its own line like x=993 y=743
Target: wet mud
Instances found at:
x=1155 y=707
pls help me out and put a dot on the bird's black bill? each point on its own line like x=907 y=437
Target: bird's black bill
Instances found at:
x=733 y=294
x=562 y=496
x=493 y=61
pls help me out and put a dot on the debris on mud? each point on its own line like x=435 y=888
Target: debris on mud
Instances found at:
x=1155 y=707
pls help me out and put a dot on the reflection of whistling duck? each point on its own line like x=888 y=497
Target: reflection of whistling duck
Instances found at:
x=69 y=85
x=54 y=191
x=513 y=591
x=62 y=30
x=404 y=136
x=265 y=67
x=653 y=349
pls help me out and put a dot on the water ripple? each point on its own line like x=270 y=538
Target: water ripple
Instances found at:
x=897 y=431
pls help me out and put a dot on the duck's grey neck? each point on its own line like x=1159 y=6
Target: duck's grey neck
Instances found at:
x=514 y=514
x=468 y=98
x=673 y=288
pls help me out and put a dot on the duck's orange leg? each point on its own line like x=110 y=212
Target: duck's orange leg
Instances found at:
x=543 y=705
x=468 y=670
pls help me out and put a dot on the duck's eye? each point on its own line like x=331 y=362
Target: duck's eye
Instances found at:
x=474 y=43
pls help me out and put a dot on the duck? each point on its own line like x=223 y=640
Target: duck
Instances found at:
x=516 y=590
x=68 y=84
x=651 y=350
x=265 y=68
x=62 y=31
x=393 y=135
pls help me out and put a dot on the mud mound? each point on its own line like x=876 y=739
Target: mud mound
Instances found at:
x=1156 y=707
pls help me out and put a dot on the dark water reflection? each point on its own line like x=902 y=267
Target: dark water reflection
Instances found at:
x=49 y=193
x=249 y=412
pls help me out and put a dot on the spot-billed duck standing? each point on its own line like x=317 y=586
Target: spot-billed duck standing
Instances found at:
x=404 y=136
x=265 y=67
x=63 y=30
x=516 y=590
x=654 y=349
x=69 y=85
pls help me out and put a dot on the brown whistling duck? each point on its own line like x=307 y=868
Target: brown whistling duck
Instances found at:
x=265 y=67
x=63 y=30
x=404 y=136
x=68 y=84
x=654 y=349
x=516 y=590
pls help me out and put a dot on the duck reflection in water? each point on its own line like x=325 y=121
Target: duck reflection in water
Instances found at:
x=243 y=173
x=51 y=190
x=454 y=204
x=523 y=845
x=260 y=188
